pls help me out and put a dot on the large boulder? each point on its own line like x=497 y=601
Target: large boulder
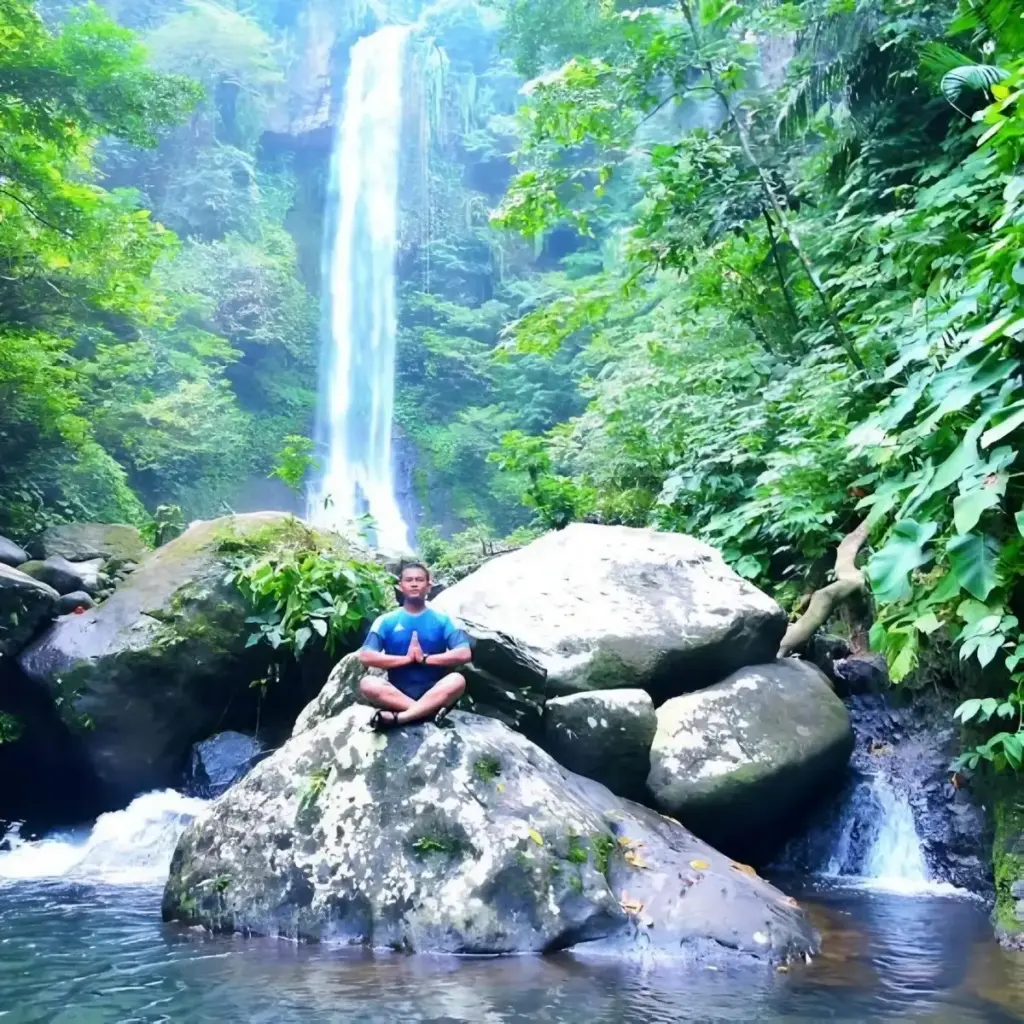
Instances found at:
x=463 y=840
x=737 y=761
x=163 y=663
x=79 y=542
x=11 y=554
x=608 y=607
x=605 y=735
x=25 y=604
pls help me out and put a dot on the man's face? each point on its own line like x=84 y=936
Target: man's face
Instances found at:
x=414 y=583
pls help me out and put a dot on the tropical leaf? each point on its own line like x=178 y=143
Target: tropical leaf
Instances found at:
x=972 y=77
x=890 y=568
x=973 y=558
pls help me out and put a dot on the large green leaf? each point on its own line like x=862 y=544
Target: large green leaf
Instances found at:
x=967 y=508
x=889 y=569
x=973 y=558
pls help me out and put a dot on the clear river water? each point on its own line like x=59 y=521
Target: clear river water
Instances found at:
x=81 y=941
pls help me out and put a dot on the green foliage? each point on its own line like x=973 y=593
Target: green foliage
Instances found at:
x=815 y=311
x=11 y=728
x=295 y=461
x=487 y=769
x=306 y=589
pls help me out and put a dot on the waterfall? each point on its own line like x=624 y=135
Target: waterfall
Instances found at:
x=357 y=381
x=891 y=828
x=133 y=846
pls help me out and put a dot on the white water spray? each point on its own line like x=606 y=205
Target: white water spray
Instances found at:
x=356 y=402
x=129 y=847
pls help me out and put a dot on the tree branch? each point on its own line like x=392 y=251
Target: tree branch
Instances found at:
x=849 y=581
x=42 y=220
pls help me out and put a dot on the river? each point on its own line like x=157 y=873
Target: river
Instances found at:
x=81 y=941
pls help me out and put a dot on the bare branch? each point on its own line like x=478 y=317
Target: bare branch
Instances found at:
x=849 y=581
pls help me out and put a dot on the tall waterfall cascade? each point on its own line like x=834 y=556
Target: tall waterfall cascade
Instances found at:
x=357 y=375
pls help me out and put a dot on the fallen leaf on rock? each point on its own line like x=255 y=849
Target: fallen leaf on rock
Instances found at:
x=699 y=865
x=536 y=837
x=631 y=907
x=501 y=787
x=744 y=869
x=633 y=857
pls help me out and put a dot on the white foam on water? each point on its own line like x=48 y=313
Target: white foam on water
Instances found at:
x=129 y=847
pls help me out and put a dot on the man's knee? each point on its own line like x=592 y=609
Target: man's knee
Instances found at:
x=370 y=686
x=457 y=682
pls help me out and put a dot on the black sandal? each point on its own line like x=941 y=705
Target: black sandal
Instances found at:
x=441 y=718
x=380 y=723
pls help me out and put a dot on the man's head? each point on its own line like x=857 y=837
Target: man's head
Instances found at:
x=414 y=582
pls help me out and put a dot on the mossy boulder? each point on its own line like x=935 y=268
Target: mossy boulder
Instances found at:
x=611 y=607
x=1007 y=802
x=739 y=761
x=467 y=839
x=163 y=663
x=26 y=604
x=78 y=542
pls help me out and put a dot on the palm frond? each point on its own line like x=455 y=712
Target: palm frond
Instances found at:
x=999 y=20
x=938 y=59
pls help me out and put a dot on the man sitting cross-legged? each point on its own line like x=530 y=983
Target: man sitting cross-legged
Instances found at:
x=420 y=649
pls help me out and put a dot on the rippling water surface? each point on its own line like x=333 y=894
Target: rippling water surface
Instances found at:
x=84 y=952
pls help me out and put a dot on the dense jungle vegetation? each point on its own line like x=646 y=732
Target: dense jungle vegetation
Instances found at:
x=750 y=271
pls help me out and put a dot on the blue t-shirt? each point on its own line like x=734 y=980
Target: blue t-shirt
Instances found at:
x=392 y=634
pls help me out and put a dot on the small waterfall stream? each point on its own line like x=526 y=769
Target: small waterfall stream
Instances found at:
x=357 y=376
x=129 y=847
x=897 y=825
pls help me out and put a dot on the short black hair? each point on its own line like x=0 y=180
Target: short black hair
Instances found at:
x=413 y=565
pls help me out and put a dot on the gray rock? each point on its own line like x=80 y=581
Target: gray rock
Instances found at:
x=1017 y=889
x=862 y=673
x=25 y=605
x=11 y=554
x=66 y=577
x=607 y=607
x=605 y=735
x=1019 y=910
x=218 y=763
x=340 y=691
x=163 y=663
x=738 y=760
x=76 y=599
x=462 y=840
x=81 y=542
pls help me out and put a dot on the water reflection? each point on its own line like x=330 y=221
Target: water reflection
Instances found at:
x=86 y=953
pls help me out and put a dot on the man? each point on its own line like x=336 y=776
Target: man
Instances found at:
x=421 y=650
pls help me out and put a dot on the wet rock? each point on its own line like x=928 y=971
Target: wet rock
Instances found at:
x=1017 y=889
x=71 y=602
x=738 y=761
x=25 y=605
x=611 y=607
x=861 y=673
x=218 y=763
x=1020 y=911
x=825 y=649
x=81 y=542
x=163 y=663
x=11 y=554
x=66 y=577
x=605 y=735
x=462 y=840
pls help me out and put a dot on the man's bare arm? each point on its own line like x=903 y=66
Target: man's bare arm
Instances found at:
x=451 y=659
x=378 y=659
